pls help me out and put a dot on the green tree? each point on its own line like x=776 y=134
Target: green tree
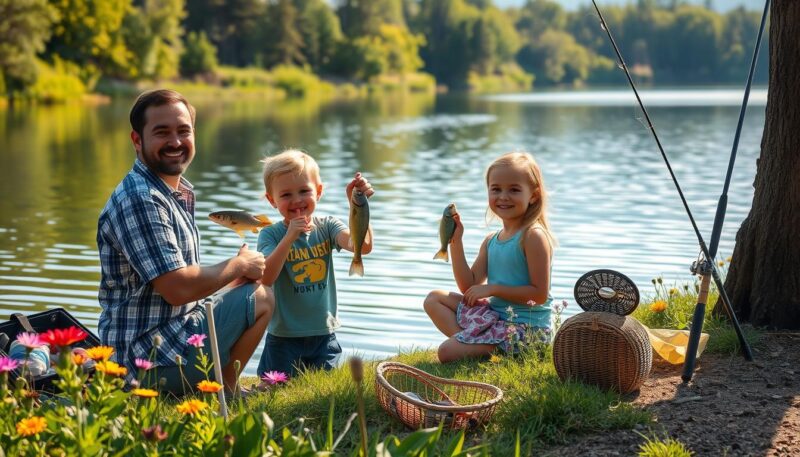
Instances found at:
x=448 y=28
x=284 y=41
x=199 y=56
x=89 y=33
x=401 y=49
x=320 y=31
x=738 y=38
x=556 y=58
x=153 y=34
x=235 y=27
x=24 y=29
x=696 y=35
x=537 y=16
x=365 y=17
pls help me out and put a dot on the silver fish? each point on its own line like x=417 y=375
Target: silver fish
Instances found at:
x=240 y=221
x=359 y=224
x=446 y=228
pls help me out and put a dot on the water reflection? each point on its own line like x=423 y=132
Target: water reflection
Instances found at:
x=614 y=205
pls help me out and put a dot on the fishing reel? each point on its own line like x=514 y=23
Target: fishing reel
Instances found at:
x=701 y=266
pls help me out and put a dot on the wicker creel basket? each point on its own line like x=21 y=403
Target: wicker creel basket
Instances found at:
x=603 y=349
x=419 y=399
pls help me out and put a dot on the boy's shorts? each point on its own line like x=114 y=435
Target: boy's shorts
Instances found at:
x=288 y=354
x=233 y=314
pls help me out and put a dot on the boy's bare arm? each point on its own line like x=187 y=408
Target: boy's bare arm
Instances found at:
x=345 y=242
x=275 y=261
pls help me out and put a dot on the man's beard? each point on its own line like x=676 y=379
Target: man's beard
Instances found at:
x=171 y=168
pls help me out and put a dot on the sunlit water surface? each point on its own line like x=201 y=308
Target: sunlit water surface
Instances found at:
x=613 y=203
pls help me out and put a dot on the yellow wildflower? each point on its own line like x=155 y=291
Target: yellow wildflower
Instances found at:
x=31 y=426
x=99 y=353
x=78 y=358
x=209 y=387
x=111 y=368
x=191 y=406
x=145 y=393
x=494 y=358
x=721 y=263
x=673 y=291
x=658 y=306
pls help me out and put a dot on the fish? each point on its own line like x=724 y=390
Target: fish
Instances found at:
x=359 y=224
x=446 y=228
x=240 y=221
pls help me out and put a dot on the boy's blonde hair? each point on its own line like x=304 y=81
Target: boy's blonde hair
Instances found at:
x=536 y=213
x=289 y=161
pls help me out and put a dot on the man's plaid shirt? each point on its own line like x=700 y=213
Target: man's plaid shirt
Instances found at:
x=145 y=230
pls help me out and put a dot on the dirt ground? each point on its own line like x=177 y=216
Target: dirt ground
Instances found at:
x=730 y=408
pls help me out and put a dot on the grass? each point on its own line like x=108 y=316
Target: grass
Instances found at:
x=679 y=302
x=669 y=447
x=537 y=405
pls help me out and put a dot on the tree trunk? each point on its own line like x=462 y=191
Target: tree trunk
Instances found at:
x=764 y=277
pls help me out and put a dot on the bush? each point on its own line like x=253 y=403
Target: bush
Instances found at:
x=199 y=56
x=57 y=83
x=244 y=77
x=297 y=82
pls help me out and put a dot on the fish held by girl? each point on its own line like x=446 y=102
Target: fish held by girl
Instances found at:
x=446 y=228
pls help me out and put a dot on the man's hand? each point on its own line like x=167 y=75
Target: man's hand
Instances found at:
x=252 y=262
x=359 y=182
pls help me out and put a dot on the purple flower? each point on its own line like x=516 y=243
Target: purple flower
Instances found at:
x=143 y=364
x=7 y=364
x=196 y=340
x=30 y=340
x=274 y=377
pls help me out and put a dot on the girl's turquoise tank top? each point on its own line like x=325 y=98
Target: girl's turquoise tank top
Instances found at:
x=507 y=266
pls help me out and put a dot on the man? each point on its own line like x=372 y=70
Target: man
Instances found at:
x=152 y=281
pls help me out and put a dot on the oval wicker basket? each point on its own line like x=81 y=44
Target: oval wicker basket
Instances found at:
x=603 y=349
x=419 y=399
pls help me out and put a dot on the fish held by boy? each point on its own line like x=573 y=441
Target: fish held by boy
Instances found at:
x=240 y=221
x=447 y=226
x=359 y=225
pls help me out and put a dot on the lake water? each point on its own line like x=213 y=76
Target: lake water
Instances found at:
x=613 y=203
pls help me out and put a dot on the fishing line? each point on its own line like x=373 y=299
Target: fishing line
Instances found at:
x=708 y=266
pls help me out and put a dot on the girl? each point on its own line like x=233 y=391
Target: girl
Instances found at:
x=506 y=294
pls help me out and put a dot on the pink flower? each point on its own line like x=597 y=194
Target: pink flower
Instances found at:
x=30 y=340
x=7 y=364
x=196 y=340
x=274 y=377
x=143 y=364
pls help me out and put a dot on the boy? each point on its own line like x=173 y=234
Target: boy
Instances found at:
x=298 y=254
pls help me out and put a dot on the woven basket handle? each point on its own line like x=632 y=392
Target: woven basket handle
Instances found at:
x=434 y=387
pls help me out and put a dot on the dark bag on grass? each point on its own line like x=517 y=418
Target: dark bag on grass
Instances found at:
x=53 y=319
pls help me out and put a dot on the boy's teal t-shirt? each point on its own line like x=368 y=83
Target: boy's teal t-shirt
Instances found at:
x=305 y=291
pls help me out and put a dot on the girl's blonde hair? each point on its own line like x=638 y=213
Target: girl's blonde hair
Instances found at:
x=536 y=214
x=289 y=161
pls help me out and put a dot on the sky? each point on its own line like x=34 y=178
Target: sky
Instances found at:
x=720 y=5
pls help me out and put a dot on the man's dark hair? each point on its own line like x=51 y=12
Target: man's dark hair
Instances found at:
x=156 y=97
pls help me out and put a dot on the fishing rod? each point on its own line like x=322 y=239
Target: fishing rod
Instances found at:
x=719 y=218
x=705 y=268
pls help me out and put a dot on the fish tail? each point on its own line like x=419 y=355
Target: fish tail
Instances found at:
x=442 y=254
x=264 y=219
x=356 y=267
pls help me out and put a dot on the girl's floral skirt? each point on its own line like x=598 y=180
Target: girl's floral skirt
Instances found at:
x=482 y=325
